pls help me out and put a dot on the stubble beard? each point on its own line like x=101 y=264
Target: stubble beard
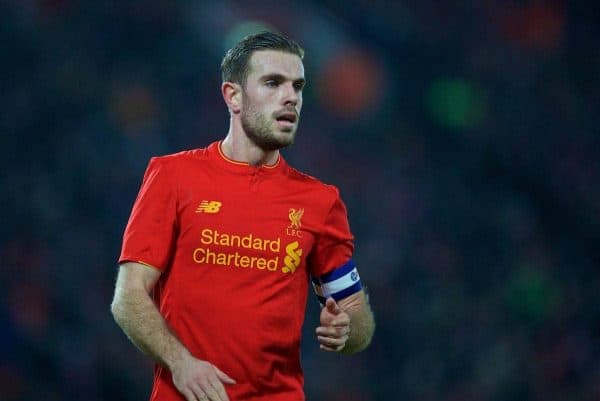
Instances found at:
x=260 y=130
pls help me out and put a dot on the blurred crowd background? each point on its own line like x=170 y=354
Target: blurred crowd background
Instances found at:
x=463 y=137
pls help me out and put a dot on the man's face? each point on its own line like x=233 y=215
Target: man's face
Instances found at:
x=272 y=98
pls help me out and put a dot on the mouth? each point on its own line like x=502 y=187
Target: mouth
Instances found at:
x=286 y=119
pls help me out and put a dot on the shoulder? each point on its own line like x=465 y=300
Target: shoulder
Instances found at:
x=327 y=192
x=182 y=157
x=175 y=161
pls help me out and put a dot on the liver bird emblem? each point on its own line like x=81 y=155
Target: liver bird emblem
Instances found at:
x=295 y=216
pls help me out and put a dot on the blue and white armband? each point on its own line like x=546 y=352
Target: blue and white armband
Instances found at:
x=338 y=284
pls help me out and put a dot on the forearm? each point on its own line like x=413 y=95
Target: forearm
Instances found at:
x=362 y=326
x=138 y=317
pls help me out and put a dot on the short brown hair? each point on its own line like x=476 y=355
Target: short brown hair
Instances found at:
x=234 y=67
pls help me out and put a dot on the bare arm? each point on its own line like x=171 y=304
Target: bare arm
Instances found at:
x=135 y=312
x=346 y=326
x=362 y=322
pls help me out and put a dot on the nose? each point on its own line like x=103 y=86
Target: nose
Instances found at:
x=291 y=95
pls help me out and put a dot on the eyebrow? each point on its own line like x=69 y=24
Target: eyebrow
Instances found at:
x=281 y=77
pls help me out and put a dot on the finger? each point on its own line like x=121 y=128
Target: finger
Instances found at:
x=329 y=340
x=219 y=391
x=213 y=395
x=332 y=306
x=209 y=393
x=333 y=331
x=340 y=323
x=332 y=349
x=189 y=396
x=332 y=342
x=224 y=377
x=341 y=320
x=199 y=393
x=336 y=326
x=206 y=388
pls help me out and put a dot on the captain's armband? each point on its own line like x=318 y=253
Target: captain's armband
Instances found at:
x=338 y=284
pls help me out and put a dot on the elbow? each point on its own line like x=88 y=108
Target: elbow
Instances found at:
x=352 y=349
x=361 y=341
x=117 y=310
x=368 y=338
x=363 y=345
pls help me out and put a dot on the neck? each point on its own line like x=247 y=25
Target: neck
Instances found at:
x=237 y=146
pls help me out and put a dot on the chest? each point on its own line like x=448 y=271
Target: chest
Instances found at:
x=255 y=221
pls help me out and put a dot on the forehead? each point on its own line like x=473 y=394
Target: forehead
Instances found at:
x=266 y=62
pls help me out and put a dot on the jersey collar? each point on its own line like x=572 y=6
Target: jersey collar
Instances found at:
x=235 y=166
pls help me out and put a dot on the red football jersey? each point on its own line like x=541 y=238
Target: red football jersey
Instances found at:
x=236 y=245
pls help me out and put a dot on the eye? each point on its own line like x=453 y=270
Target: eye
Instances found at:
x=271 y=83
x=298 y=85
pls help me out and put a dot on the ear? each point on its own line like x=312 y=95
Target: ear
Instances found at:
x=232 y=94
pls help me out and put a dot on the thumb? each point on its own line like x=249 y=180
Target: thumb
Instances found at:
x=332 y=306
x=223 y=377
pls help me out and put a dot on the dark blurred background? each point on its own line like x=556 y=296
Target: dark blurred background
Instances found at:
x=463 y=136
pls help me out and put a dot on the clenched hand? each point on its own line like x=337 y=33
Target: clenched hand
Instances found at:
x=333 y=332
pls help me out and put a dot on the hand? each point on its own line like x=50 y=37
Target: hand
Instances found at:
x=335 y=327
x=200 y=380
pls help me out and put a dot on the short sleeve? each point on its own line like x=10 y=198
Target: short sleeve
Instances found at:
x=150 y=232
x=334 y=245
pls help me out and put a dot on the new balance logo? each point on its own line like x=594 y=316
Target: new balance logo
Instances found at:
x=209 y=207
